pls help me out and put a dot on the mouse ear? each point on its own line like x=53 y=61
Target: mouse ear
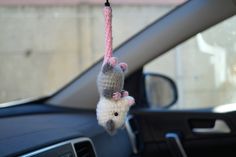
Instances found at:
x=123 y=66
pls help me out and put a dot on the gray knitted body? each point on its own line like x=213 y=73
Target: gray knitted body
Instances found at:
x=110 y=80
x=114 y=102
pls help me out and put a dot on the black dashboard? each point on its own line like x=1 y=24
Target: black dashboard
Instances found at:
x=79 y=147
x=33 y=127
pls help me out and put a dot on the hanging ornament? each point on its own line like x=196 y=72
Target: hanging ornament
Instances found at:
x=114 y=102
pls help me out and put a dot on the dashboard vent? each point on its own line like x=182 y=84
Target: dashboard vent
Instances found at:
x=84 y=149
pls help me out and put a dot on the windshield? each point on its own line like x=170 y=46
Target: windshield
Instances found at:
x=44 y=44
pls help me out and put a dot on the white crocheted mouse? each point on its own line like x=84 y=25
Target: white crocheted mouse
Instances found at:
x=111 y=114
x=114 y=102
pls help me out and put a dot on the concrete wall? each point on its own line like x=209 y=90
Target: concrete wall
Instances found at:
x=44 y=47
x=204 y=67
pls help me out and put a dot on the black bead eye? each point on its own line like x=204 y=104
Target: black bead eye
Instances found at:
x=116 y=114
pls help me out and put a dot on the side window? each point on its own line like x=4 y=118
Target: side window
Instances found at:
x=203 y=67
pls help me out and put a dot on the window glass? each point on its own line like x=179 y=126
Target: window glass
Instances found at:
x=45 y=44
x=204 y=67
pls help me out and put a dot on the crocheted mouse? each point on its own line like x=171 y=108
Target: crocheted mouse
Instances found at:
x=114 y=102
x=111 y=114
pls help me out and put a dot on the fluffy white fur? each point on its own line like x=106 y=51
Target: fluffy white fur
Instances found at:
x=107 y=107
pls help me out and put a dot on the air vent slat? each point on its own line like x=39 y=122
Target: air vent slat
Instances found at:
x=84 y=149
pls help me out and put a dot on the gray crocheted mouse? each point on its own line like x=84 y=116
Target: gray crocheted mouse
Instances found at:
x=114 y=102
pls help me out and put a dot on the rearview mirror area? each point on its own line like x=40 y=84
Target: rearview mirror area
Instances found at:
x=160 y=91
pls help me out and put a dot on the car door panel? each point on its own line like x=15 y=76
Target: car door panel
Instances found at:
x=155 y=125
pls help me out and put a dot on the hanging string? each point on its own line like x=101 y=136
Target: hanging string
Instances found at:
x=107 y=3
x=108 y=31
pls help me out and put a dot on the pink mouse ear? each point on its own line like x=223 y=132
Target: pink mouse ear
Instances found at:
x=123 y=66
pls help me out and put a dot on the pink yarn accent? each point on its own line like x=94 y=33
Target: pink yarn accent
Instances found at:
x=108 y=33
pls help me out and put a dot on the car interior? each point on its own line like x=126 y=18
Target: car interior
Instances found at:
x=64 y=123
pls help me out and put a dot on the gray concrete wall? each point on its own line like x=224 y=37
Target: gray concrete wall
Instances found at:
x=42 y=48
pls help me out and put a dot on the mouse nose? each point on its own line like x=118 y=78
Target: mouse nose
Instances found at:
x=110 y=127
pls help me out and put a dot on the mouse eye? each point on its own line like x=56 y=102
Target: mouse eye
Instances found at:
x=116 y=114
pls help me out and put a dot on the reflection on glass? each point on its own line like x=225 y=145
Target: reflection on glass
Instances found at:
x=159 y=91
x=43 y=47
x=204 y=67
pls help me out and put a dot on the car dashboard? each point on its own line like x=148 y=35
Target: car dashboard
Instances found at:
x=71 y=148
x=42 y=130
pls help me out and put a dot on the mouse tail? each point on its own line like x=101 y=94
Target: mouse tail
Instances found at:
x=108 y=32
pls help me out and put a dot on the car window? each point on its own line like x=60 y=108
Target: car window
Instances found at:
x=203 y=67
x=44 y=45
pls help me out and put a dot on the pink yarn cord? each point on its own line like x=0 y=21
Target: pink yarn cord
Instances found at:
x=108 y=33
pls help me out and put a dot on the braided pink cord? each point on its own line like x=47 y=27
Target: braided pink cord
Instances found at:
x=108 y=33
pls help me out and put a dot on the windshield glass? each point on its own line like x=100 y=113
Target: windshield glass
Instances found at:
x=45 y=44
